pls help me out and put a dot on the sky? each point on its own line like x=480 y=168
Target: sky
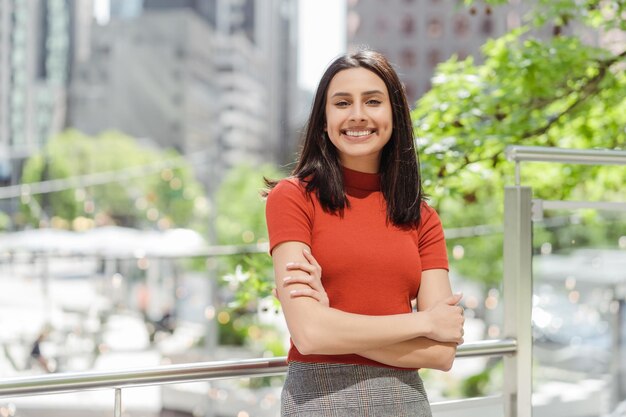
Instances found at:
x=321 y=37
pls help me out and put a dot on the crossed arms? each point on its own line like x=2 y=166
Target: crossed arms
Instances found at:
x=425 y=339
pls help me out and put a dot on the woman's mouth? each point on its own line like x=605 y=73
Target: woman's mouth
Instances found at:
x=357 y=134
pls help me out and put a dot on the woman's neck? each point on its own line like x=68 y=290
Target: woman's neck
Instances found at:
x=362 y=164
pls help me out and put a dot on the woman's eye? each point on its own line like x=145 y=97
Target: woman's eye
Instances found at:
x=342 y=104
x=374 y=102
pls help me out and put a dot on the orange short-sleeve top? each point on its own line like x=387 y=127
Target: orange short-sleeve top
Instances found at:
x=369 y=265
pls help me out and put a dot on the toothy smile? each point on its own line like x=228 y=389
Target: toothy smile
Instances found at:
x=357 y=133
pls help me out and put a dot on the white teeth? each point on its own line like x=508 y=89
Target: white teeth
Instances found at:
x=358 y=132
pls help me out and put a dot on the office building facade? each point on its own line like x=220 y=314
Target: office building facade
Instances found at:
x=416 y=35
x=35 y=48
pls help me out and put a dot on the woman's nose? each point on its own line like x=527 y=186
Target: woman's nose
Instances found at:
x=357 y=112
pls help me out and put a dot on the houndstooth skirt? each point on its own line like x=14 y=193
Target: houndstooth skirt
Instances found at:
x=341 y=390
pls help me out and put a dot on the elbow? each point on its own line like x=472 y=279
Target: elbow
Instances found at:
x=446 y=364
x=309 y=331
x=446 y=360
x=314 y=336
x=303 y=344
x=308 y=342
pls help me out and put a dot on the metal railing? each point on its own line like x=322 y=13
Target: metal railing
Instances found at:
x=169 y=374
x=566 y=156
x=193 y=372
x=519 y=212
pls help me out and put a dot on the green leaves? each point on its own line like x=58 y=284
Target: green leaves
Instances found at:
x=240 y=207
x=241 y=220
x=557 y=91
x=167 y=197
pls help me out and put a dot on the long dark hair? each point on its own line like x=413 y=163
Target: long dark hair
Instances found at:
x=318 y=165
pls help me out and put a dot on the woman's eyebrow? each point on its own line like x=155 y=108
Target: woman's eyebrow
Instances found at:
x=365 y=93
x=341 y=94
x=372 y=92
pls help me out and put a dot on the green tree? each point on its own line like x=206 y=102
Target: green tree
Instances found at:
x=249 y=278
x=241 y=220
x=167 y=197
x=240 y=208
x=530 y=90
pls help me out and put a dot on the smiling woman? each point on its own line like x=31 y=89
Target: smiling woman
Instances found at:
x=354 y=208
x=358 y=118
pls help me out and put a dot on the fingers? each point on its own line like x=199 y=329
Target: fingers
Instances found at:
x=308 y=268
x=454 y=299
x=303 y=279
x=448 y=318
x=312 y=267
x=309 y=257
x=306 y=292
x=312 y=270
x=462 y=338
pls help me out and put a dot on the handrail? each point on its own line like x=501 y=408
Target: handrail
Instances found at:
x=168 y=374
x=568 y=156
x=496 y=347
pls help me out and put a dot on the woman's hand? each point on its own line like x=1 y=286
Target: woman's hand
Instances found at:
x=312 y=278
x=446 y=318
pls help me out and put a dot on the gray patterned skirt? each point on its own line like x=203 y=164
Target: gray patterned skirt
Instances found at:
x=339 y=390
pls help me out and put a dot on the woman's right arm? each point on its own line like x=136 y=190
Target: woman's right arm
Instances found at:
x=318 y=329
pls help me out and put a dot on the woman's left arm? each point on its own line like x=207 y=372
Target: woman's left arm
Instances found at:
x=421 y=352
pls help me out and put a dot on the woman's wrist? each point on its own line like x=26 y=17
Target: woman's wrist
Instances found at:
x=423 y=324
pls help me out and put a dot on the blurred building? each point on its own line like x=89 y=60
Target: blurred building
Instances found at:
x=34 y=61
x=125 y=9
x=223 y=85
x=271 y=28
x=416 y=35
x=148 y=78
x=36 y=51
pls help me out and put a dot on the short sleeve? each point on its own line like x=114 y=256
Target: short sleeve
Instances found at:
x=431 y=240
x=289 y=214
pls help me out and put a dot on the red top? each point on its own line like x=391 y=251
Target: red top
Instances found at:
x=368 y=266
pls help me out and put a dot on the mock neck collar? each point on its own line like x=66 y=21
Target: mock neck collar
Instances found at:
x=360 y=180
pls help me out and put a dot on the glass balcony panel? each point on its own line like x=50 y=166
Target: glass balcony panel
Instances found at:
x=579 y=268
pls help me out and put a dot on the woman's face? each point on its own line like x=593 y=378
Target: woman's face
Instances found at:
x=359 y=119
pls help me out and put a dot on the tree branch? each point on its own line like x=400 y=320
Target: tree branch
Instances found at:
x=588 y=90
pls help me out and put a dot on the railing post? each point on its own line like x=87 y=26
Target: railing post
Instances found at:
x=517 y=284
x=117 y=412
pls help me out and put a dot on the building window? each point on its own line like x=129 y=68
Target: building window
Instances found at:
x=408 y=58
x=487 y=26
x=461 y=26
x=408 y=25
x=434 y=57
x=435 y=28
x=462 y=54
x=411 y=92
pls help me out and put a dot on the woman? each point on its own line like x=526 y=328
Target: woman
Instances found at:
x=354 y=209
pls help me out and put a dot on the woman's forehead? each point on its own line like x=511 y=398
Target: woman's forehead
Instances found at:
x=356 y=80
